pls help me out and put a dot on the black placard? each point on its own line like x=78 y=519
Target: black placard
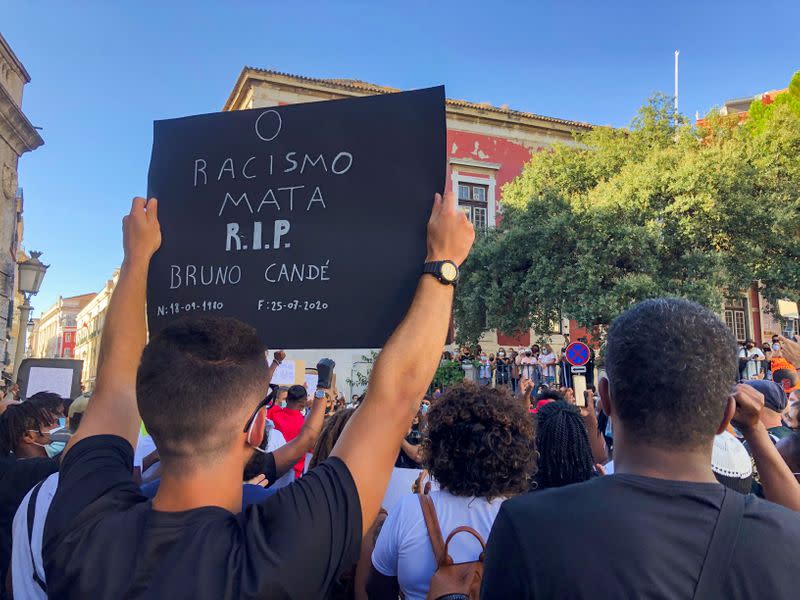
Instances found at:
x=344 y=190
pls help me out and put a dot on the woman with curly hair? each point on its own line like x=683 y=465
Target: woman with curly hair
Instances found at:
x=479 y=448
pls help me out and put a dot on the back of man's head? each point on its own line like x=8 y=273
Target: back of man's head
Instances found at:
x=788 y=379
x=671 y=365
x=296 y=397
x=198 y=381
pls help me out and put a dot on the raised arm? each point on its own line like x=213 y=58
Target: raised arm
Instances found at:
x=780 y=485
x=287 y=455
x=596 y=439
x=405 y=368
x=113 y=407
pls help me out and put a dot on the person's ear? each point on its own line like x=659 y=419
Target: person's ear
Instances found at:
x=605 y=396
x=257 y=430
x=727 y=415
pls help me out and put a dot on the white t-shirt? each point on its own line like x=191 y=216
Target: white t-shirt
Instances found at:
x=751 y=369
x=144 y=446
x=21 y=567
x=527 y=366
x=549 y=364
x=275 y=441
x=403 y=549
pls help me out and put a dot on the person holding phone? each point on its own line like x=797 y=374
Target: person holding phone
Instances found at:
x=750 y=358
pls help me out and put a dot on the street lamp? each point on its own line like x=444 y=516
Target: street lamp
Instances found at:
x=30 y=274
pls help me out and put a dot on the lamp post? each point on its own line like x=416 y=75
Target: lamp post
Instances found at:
x=30 y=274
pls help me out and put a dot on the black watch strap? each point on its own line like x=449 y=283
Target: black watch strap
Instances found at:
x=435 y=268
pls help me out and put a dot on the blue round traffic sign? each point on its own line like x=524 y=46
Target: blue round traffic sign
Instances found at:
x=577 y=354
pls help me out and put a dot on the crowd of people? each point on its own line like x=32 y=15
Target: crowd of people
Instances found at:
x=540 y=364
x=675 y=476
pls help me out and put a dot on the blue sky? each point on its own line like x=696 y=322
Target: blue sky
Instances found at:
x=103 y=71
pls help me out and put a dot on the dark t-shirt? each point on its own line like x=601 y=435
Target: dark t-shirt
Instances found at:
x=17 y=477
x=102 y=538
x=625 y=536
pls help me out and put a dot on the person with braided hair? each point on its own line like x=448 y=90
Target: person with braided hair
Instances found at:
x=24 y=435
x=565 y=455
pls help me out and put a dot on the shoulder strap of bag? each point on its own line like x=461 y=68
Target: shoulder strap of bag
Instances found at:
x=720 y=549
x=465 y=529
x=434 y=530
x=31 y=516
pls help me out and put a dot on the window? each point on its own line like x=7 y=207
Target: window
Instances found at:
x=736 y=319
x=472 y=198
x=479 y=217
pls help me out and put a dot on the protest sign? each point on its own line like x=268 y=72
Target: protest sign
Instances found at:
x=58 y=375
x=289 y=372
x=307 y=221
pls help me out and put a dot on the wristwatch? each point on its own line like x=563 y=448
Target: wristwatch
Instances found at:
x=320 y=394
x=446 y=271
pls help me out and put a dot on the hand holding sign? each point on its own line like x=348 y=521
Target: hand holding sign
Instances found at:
x=450 y=234
x=141 y=231
x=247 y=195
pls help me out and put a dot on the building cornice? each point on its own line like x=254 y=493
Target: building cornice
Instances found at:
x=344 y=88
x=15 y=128
x=12 y=58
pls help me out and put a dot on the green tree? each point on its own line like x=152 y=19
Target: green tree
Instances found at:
x=658 y=209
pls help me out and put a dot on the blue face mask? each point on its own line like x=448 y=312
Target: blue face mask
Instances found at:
x=54 y=448
x=424 y=409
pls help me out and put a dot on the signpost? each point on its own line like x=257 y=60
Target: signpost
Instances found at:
x=578 y=355
x=307 y=221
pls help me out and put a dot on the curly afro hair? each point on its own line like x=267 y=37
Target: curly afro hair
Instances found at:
x=479 y=442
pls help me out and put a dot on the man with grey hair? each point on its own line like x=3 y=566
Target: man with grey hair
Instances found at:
x=667 y=528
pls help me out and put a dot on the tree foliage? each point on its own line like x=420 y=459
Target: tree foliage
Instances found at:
x=660 y=209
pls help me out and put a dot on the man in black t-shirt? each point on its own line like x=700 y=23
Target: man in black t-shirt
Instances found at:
x=644 y=532
x=199 y=388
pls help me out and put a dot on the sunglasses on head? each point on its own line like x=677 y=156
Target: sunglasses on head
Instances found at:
x=264 y=407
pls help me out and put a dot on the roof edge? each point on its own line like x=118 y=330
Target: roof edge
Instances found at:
x=361 y=86
x=15 y=59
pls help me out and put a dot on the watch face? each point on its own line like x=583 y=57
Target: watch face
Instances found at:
x=449 y=271
x=319 y=394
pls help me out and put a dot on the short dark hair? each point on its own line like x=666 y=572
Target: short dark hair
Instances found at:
x=778 y=375
x=548 y=394
x=565 y=455
x=16 y=420
x=297 y=394
x=479 y=442
x=671 y=365
x=49 y=401
x=197 y=373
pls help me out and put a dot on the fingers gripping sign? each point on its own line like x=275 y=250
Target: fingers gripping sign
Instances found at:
x=141 y=231
x=450 y=234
